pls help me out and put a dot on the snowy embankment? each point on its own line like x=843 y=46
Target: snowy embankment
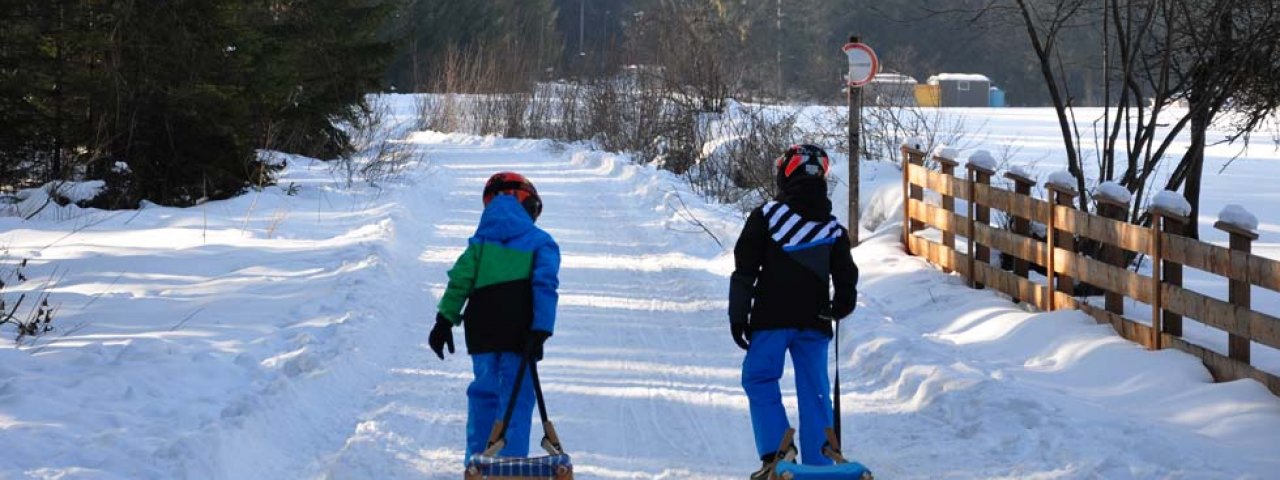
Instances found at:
x=283 y=336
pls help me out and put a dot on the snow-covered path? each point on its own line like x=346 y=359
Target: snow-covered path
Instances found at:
x=941 y=381
x=276 y=336
x=640 y=376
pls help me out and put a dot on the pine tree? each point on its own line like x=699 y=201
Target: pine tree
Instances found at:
x=318 y=59
x=181 y=91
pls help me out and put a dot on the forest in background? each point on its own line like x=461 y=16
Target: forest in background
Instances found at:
x=171 y=101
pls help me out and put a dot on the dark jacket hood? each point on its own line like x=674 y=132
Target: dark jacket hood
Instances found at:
x=504 y=219
x=807 y=198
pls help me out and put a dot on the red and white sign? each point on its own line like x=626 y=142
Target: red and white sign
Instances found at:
x=863 y=64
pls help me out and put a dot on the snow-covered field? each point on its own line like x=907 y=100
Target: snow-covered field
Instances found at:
x=281 y=336
x=1245 y=175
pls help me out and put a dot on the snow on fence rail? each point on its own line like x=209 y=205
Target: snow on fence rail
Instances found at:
x=1110 y=242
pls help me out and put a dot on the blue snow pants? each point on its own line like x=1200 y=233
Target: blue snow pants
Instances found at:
x=487 y=397
x=761 y=370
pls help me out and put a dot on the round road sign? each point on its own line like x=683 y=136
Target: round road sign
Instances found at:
x=863 y=64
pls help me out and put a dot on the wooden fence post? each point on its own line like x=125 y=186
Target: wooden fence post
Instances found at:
x=1157 y=262
x=1171 y=323
x=1238 y=292
x=969 y=245
x=979 y=175
x=906 y=200
x=1063 y=239
x=1021 y=226
x=949 y=204
x=1112 y=254
x=915 y=157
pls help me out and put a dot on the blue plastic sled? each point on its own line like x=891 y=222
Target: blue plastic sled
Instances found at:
x=788 y=469
x=839 y=471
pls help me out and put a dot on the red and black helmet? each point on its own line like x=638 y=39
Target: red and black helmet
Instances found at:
x=802 y=162
x=514 y=184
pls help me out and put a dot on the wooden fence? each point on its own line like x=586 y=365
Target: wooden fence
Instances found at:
x=1113 y=244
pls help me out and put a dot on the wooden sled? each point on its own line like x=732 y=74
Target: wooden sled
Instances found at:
x=556 y=465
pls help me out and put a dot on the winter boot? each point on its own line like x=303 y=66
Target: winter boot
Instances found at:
x=770 y=460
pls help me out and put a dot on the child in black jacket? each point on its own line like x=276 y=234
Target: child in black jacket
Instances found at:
x=791 y=250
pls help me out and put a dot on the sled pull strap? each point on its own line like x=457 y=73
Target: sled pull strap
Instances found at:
x=835 y=400
x=786 y=453
x=550 y=441
x=498 y=436
x=831 y=449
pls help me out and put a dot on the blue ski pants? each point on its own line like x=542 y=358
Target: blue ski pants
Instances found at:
x=487 y=398
x=761 y=370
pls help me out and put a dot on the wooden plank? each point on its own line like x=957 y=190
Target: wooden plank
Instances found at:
x=1264 y=272
x=940 y=255
x=917 y=175
x=1198 y=255
x=947 y=185
x=1204 y=256
x=1012 y=285
x=921 y=176
x=938 y=218
x=1218 y=260
x=1030 y=208
x=1103 y=275
x=1234 y=319
x=1114 y=232
x=1125 y=327
x=1222 y=368
x=1008 y=242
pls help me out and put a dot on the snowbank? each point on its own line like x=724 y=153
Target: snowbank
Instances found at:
x=49 y=198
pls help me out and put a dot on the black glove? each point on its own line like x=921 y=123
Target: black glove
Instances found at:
x=441 y=335
x=826 y=315
x=533 y=344
x=741 y=334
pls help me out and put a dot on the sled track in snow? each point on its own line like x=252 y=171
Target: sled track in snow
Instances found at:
x=642 y=379
x=640 y=371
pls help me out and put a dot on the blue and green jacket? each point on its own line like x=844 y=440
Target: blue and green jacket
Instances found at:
x=507 y=279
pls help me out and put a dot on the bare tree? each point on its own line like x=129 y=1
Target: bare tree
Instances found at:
x=1220 y=57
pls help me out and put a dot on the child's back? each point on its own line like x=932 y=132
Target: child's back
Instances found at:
x=503 y=288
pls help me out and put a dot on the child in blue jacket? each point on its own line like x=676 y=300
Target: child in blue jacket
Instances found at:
x=507 y=279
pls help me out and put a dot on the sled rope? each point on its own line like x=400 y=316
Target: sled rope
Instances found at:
x=835 y=405
x=498 y=437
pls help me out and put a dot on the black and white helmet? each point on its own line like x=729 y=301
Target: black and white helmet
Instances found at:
x=802 y=162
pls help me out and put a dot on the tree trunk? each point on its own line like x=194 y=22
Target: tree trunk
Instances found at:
x=1195 y=170
x=1044 y=54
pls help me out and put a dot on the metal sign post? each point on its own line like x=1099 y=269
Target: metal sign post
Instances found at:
x=863 y=66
